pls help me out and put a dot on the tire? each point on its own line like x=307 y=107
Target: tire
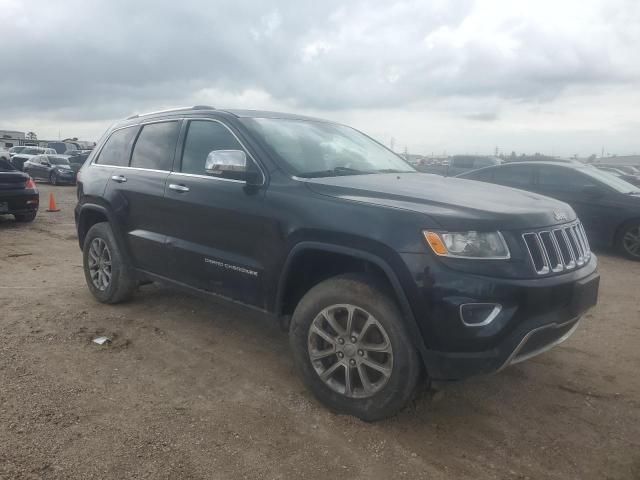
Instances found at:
x=118 y=284
x=386 y=393
x=53 y=178
x=628 y=240
x=26 y=217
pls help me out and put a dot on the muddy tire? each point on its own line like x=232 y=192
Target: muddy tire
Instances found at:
x=106 y=272
x=352 y=349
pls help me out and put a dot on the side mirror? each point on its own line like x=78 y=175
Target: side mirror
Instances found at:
x=46 y=164
x=592 y=191
x=230 y=164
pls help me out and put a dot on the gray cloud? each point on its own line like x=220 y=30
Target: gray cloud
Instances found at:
x=106 y=56
x=79 y=61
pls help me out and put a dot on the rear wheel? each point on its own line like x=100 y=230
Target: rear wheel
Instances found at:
x=628 y=242
x=26 y=217
x=108 y=276
x=352 y=350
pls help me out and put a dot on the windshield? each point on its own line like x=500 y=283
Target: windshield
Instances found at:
x=58 y=161
x=610 y=180
x=320 y=149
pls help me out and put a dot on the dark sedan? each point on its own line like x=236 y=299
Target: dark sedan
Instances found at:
x=56 y=169
x=608 y=206
x=18 y=193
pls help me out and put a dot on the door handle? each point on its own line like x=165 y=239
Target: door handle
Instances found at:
x=119 y=178
x=178 y=188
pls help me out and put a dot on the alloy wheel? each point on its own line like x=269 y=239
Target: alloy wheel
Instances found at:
x=350 y=351
x=100 y=264
x=631 y=241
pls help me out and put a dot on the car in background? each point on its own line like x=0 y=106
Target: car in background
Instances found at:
x=459 y=164
x=608 y=207
x=19 y=159
x=624 y=174
x=63 y=148
x=17 y=149
x=55 y=169
x=18 y=193
x=77 y=159
x=4 y=154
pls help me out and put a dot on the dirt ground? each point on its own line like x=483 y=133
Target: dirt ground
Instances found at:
x=193 y=389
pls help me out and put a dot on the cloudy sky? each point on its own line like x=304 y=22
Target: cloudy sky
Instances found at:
x=462 y=76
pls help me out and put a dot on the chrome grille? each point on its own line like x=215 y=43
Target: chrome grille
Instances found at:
x=558 y=249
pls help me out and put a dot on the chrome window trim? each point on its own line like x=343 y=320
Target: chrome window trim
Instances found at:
x=142 y=124
x=100 y=165
x=210 y=177
x=244 y=148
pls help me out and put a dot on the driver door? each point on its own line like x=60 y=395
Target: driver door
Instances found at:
x=217 y=226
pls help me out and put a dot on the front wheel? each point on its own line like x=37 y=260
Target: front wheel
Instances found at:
x=106 y=272
x=352 y=349
x=628 y=241
x=53 y=179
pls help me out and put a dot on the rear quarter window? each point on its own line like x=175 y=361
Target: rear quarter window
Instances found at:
x=117 y=149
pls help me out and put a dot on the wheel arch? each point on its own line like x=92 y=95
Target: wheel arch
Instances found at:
x=88 y=215
x=384 y=267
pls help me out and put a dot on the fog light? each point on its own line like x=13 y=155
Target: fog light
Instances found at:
x=479 y=314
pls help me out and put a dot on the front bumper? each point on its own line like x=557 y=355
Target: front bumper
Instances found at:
x=19 y=202
x=536 y=314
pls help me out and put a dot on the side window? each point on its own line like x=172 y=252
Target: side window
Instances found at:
x=481 y=175
x=156 y=146
x=118 y=147
x=204 y=137
x=517 y=176
x=565 y=179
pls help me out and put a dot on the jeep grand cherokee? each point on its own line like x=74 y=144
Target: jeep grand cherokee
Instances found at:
x=384 y=276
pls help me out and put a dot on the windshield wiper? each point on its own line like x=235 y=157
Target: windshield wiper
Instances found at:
x=335 y=172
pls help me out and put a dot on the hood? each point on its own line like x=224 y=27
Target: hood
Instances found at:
x=452 y=203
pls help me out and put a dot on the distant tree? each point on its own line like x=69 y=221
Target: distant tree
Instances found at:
x=591 y=158
x=513 y=154
x=31 y=136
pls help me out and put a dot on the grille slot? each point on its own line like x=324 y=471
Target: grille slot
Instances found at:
x=560 y=249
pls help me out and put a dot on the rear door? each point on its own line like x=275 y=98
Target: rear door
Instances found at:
x=136 y=190
x=218 y=226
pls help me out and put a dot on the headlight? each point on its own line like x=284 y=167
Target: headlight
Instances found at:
x=62 y=170
x=478 y=245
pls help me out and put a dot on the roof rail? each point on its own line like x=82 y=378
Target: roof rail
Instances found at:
x=195 y=107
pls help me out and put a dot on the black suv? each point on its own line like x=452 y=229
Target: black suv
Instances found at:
x=383 y=275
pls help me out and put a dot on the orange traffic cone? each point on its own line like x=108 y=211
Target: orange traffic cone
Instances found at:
x=52 y=204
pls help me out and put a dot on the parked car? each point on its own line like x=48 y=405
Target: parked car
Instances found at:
x=460 y=163
x=620 y=173
x=55 y=169
x=17 y=149
x=608 y=206
x=77 y=159
x=18 y=193
x=19 y=159
x=381 y=274
x=63 y=148
x=4 y=154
